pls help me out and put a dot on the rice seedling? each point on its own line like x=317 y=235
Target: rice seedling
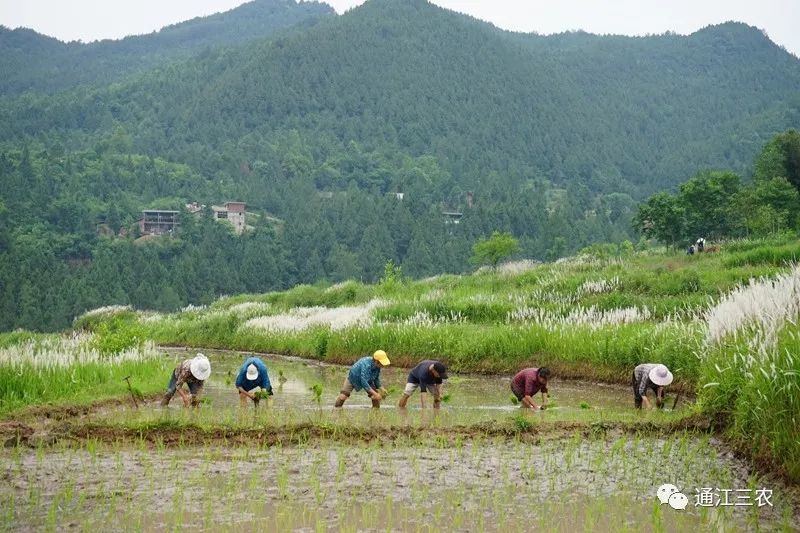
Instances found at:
x=522 y=423
x=262 y=395
x=316 y=393
x=604 y=315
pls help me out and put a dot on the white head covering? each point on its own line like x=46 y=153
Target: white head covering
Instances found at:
x=252 y=372
x=660 y=375
x=200 y=367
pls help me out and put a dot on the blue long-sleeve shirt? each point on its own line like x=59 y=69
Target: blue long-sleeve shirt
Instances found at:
x=261 y=381
x=365 y=374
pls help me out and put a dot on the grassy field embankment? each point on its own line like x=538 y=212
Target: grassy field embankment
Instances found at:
x=76 y=369
x=584 y=317
x=725 y=323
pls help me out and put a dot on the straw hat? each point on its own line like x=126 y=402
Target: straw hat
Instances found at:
x=200 y=367
x=660 y=375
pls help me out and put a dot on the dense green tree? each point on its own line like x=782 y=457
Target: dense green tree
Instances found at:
x=343 y=264
x=716 y=205
x=494 y=249
x=663 y=218
x=364 y=138
x=780 y=158
x=706 y=202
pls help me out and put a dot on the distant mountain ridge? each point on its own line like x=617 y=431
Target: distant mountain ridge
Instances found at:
x=398 y=131
x=632 y=114
x=32 y=61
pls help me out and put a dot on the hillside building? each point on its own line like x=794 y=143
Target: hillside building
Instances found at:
x=158 y=222
x=233 y=212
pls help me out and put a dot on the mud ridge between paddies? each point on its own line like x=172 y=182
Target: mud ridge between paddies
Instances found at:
x=170 y=433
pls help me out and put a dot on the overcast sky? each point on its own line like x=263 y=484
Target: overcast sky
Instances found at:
x=90 y=20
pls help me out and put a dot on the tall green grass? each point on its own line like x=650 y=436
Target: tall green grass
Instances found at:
x=766 y=255
x=82 y=384
x=78 y=369
x=758 y=402
x=750 y=373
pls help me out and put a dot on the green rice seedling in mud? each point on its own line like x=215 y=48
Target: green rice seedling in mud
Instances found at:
x=316 y=393
x=522 y=423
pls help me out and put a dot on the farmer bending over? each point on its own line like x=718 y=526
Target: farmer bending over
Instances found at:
x=527 y=383
x=252 y=379
x=193 y=372
x=426 y=376
x=650 y=376
x=365 y=374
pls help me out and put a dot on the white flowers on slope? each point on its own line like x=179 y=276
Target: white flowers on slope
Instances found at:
x=765 y=304
x=301 y=318
x=599 y=286
x=59 y=352
x=592 y=317
x=108 y=310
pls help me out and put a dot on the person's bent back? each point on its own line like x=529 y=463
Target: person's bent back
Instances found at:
x=253 y=378
x=428 y=376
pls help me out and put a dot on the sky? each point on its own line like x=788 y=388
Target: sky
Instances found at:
x=90 y=20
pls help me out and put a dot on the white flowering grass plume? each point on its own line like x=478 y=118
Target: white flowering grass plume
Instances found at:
x=107 y=310
x=301 y=318
x=764 y=305
x=64 y=352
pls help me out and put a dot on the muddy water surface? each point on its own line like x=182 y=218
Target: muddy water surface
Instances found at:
x=472 y=398
x=449 y=479
x=576 y=484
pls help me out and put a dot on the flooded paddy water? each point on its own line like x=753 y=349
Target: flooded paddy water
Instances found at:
x=416 y=472
x=472 y=398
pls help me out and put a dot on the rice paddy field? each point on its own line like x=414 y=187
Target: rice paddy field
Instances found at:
x=87 y=449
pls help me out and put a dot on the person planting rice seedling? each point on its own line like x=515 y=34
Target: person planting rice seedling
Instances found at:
x=527 y=383
x=365 y=374
x=428 y=376
x=253 y=381
x=193 y=372
x=650 y=376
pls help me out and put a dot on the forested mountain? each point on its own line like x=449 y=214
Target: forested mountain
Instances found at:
x=360 y=132
x=31 y=61
x=614 y=113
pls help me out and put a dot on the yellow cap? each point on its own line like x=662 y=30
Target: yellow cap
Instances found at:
x=381 y=357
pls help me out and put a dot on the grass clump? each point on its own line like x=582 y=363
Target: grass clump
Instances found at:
x=522 y=423
x=52 y=369
x=750 y=372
